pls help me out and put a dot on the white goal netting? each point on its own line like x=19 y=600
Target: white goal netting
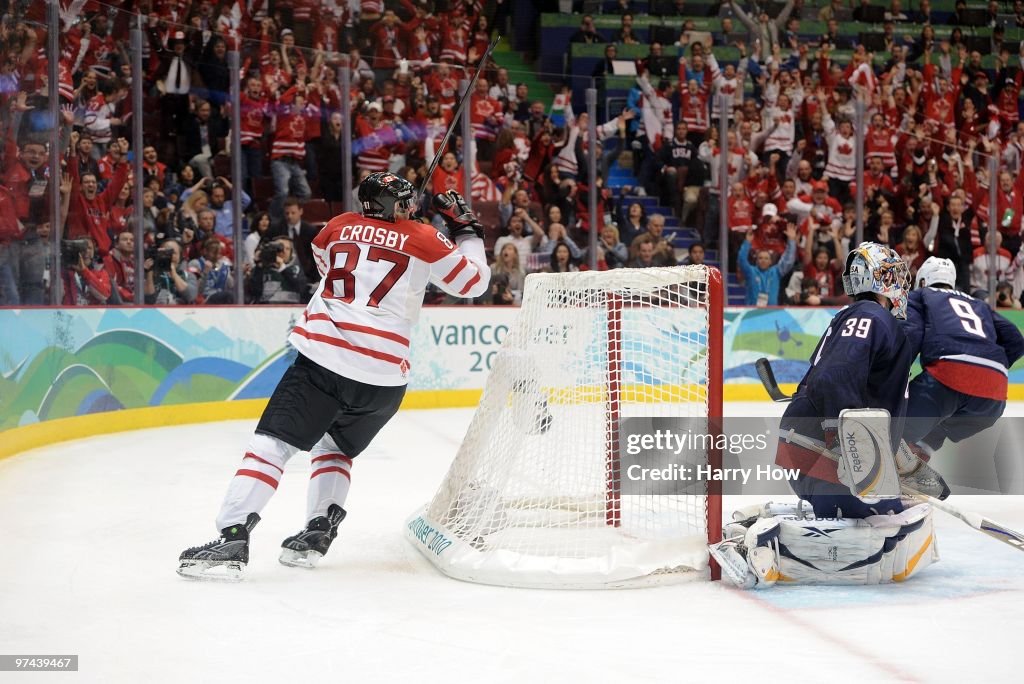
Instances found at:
x=536 y=496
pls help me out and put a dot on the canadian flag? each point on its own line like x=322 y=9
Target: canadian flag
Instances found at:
x=864 y=77
x=652 y=124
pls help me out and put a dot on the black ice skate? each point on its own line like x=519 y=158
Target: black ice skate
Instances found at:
x=305 y=549
x=222 y=559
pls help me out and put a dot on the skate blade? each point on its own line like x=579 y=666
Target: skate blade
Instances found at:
x=300 y=559
x=212 y=571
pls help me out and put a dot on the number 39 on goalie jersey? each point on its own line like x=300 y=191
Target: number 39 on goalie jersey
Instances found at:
x=373 y=276
x=862 y=361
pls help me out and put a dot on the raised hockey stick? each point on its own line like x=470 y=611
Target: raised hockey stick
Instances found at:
x=767 y=375
x=458 y=114
x=969 y=518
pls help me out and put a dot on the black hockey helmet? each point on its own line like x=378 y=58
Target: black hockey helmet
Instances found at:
x=382 y=194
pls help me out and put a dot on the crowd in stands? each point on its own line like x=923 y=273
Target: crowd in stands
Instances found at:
x=935 y=110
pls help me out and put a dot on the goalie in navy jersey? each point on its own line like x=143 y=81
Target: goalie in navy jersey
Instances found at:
x=836 y=536
x=966 y=350
x=352 y=366
x=862 y=361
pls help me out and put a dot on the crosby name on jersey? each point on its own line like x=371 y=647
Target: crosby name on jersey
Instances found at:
x=374 y=274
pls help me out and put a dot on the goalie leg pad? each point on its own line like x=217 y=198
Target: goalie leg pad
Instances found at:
x=874 y=550
x=910 y=542
x=842 y=551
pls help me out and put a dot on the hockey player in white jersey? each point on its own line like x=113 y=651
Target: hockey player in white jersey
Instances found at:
x=351 y=371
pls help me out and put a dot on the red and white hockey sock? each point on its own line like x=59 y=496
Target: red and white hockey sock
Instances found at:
x=256 y=479
x=330 y=479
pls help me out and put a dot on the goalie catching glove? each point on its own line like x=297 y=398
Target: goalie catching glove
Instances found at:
x=457 y=215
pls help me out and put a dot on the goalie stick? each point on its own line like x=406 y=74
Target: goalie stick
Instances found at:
x=457 y=115
x=767 y=375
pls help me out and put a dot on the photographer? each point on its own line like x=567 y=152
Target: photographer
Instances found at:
x=1004 y=296
x=277 y=277
x=500 y=294
x=167 y=281
x=216 y=283
x=86 y=283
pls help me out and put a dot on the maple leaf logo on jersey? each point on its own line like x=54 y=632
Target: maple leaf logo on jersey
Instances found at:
x=297 y=127
x=404 y=367
x=484 y=108
x=845 y=148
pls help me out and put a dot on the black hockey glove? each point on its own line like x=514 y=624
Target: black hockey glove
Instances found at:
x=457 y=215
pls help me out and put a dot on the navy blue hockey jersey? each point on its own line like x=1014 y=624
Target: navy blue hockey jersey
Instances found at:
x=862 y=361
x=963 y=344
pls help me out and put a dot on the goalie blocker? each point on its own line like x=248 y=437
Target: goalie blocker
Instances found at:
x=785 y=544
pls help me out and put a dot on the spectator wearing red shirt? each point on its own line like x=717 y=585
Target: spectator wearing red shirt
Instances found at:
x=288 y=153
x=152 y=167
x=876 y=181
x=1007 y=91
x=86 y=283
x=443 y=84
x=486 y=117
x=940 y=96
x=90 y=211
x=430 y=123
x=25 y=175
x=375 y=140
x=770 y=233
x=912 y=250
x=448 y=175
x=823 y=275
x=389 y=37
x=120 y=265
x=255 y=111
x=1009 y=205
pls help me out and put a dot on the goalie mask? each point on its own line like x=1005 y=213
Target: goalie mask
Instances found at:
x=935 y=271
x=877 y=269
x=386 y=196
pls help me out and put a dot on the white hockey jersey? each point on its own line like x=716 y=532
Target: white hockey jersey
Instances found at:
x=842 y=157
x=373 y=276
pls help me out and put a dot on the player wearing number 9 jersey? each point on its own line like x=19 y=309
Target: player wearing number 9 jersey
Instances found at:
x=349 y=377
x=862 y=361
x=966 y=349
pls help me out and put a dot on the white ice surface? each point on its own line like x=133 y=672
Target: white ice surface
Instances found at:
x=91 y=531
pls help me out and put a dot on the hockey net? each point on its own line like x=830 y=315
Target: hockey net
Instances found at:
x=534 y=497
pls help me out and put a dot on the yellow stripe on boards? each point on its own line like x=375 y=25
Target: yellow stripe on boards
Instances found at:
x=45 y=433
x=49 y=432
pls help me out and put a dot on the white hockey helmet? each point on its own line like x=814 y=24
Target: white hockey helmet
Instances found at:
x=871 y=267
x=936 y=271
